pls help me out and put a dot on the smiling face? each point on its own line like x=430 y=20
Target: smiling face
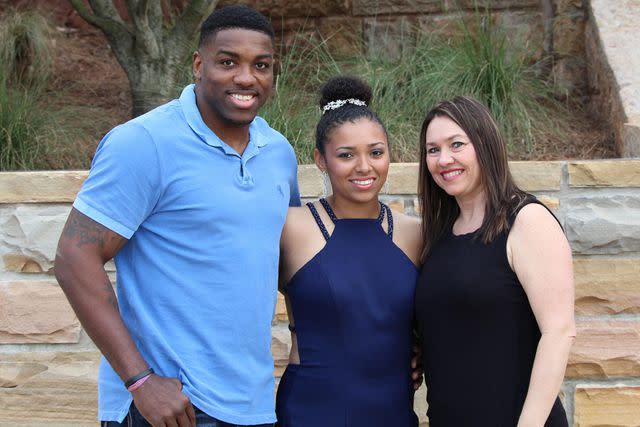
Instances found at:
x=451 y=159
x=233 y=72
x=356 y=158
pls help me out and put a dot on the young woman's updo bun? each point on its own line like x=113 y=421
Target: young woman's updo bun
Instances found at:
x=343 y=88
x=343 y=99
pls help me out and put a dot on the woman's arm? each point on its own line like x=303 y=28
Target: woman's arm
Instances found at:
x=541 y=258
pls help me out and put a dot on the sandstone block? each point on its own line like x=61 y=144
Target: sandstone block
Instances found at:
x=29 y=235
x=343 y=36
x=537 y=176
x=387 y=37
x=36 y=312
x=281 y=310
x=280 y=347
x=275 y=9
x=607 y=286
x=383 y=7
x=569 y=75
x=568 y=34
x=552 y=203
x=605 y=348
x=604 y=173
x=613 y=406
x=310 y=181
x=48 y=389
x=494 y=4
x=403 y=178
x=524 y=28
x=631 y=139
x=40 y=187
x=603 y=224
x=563 y=7
x=20 y=263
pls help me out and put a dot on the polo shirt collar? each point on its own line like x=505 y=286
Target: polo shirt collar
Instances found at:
x=194 y=119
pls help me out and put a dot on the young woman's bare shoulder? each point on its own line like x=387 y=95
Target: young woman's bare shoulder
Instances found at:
x=408 y=235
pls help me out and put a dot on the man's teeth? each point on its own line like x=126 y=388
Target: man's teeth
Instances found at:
x=365 y=182
x=452 y=174
x=242 y=97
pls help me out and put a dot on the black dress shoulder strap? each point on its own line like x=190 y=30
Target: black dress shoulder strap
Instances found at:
x=527 y=200
x=316 y=216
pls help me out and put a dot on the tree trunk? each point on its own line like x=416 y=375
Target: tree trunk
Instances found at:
x=151 y=47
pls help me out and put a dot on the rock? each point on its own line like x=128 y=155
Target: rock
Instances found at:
x=568 y=34
x=387 y=37
x=402 y=178
x=604 y=173
x=280 y=348
x=49 y=388
x=29 y=235
x=343 y=36
x=310 y=181
x=605 y=348
x=38 y=187
x=603 y=224
x=610 y=406
x=537 y=176
x=607 y=286
x=36 y=312
x=383 y=7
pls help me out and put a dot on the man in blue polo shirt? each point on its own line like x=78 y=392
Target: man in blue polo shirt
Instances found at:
x=190 y=199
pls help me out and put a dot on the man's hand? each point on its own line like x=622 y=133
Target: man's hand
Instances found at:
x=161 y=402
x=416 y=367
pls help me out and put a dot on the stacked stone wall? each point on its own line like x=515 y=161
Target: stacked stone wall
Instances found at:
x=553 y=29
x=48 y=365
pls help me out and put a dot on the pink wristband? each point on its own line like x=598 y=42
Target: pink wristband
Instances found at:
x=138 y=383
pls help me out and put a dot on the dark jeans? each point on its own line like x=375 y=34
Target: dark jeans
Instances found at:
x=134 y=419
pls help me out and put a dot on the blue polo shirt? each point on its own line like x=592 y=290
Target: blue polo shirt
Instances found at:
x=197 y=279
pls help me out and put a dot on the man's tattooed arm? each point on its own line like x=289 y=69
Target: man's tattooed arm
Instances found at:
x=84 y=248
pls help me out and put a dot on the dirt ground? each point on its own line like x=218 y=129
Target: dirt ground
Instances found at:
x=88 y=76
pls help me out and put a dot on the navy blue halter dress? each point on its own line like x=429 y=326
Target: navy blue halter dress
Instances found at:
x=352 y=305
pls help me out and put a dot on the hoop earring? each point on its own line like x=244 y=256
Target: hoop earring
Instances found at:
x=326 y=184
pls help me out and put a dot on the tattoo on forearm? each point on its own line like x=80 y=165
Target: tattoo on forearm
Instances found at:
x=84 y=230
x=110 y=295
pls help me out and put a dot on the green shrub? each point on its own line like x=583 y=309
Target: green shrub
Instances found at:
x=32 y=131
x=478 y=62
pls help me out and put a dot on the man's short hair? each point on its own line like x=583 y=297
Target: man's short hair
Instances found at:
x=235 y=16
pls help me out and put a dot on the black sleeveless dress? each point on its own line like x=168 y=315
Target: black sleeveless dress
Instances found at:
x=479 y=334
x=353 y=309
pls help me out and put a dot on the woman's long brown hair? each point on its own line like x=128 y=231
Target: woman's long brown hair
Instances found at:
x=440 y=210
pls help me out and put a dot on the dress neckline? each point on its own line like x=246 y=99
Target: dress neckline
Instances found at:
x=334 y=218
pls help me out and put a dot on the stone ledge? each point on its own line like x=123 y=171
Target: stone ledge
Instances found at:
x=537 y=176
x=36 y=312
x=40 y=187
x=607 y=286
x=614 y=406
x=62 y=186
x=604 y=173
x=605 y=348
x=49 y=388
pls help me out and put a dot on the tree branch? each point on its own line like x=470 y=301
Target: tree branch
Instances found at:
x=187 y=24
x=111 y=25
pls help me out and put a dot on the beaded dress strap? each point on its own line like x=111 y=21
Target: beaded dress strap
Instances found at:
x=389 y=220
x=316 y=216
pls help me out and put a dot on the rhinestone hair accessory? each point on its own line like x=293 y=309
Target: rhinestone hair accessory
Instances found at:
x=340 y=102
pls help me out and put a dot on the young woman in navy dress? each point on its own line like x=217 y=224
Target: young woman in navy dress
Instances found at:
x=348 y=273
x=494 y=302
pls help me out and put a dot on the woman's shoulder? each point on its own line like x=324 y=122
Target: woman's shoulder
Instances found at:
x=408 y=235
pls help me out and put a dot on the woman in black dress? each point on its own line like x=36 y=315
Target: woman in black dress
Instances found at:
x=494 y=301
